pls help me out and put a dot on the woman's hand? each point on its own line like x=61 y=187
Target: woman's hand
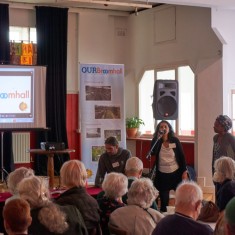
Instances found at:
x=185 y=175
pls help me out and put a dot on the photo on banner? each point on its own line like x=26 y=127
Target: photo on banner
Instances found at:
x=101 y=111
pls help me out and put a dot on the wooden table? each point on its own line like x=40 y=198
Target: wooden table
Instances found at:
x=50 y=161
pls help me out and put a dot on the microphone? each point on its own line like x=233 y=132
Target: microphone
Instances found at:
x=162 y=132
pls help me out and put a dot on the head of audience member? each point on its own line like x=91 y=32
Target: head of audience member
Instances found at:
x=17 y=218
x=134 y=167
x=111 y=145
x=16 y=176
x=224 y=169
x=34 y=190
x=230 y=217
x=222 y=124
x=73 y=174
x=36 y=193
x=142 y=193
x=188 y=199
x=115 y=185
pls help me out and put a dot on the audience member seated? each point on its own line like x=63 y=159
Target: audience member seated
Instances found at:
x=17 y=218
x=49 y=218
x=114 y=187
x=14 y=178
x=113 y=160
x=188 y=200
x=224 y=176
x=220 y=225
x=73 y=178
x=230 y=217
x=133 y=170
x=137 y=218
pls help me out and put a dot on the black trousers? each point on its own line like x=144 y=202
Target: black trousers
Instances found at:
x=164 y=182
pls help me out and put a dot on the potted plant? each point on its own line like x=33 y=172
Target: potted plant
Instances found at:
x=132 y=126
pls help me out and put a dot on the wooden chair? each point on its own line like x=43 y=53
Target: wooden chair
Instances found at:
x=116 y=231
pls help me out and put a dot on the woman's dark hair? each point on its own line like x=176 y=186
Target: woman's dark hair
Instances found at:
x=171 y=131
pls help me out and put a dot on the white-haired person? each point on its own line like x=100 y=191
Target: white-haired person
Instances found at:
x=188 y=200
x=137 y=218
x=49 y=218
x=14 y=179
x=114 y=187
x=73 y=177
x=224 y=176
x=133 y=170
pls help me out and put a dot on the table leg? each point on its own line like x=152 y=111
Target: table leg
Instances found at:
x=50 y=170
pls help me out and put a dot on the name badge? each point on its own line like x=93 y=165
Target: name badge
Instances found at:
x=172 y=145
x=115 y=164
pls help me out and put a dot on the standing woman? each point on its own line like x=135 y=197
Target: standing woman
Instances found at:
x=170 y=161
x=223 y=141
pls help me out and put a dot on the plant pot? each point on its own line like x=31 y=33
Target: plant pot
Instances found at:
x=131 y=132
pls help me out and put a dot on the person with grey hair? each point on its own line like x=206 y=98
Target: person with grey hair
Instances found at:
x=114 y=187
x=137 y=218
x=14 y=179
x=133 y=170
x=73 y=178
x=47 y=217
x=224 y=176
x=113 y=160
x=188 y=202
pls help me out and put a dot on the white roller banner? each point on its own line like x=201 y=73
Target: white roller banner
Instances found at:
x=101 y=110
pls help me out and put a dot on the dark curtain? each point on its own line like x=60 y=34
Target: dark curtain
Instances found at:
x=4 y=34
x=51 y=25
x=8 y=161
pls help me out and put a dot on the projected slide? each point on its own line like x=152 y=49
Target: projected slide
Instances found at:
x=16 y=96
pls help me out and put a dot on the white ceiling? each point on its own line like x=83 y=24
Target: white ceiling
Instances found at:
x=225 y=4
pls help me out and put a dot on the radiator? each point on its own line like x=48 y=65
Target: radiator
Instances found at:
x=20 y=145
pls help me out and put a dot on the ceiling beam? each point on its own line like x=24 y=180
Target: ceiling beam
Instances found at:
x=121 y=4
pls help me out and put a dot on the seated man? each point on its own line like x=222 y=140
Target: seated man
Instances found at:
x=113 y=160
x=188 y=199
x=17 y=218
x=133 y=170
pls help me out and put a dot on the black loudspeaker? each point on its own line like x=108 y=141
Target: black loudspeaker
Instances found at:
x=165 y=100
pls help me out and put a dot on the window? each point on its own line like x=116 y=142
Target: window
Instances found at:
x=23 y=34
x=23 y=47
x=184 y=125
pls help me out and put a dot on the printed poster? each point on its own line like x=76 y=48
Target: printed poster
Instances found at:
x=101 y=110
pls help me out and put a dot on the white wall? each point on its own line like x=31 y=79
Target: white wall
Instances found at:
x=22 y=17
x=209 y=96
x=223 y=24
